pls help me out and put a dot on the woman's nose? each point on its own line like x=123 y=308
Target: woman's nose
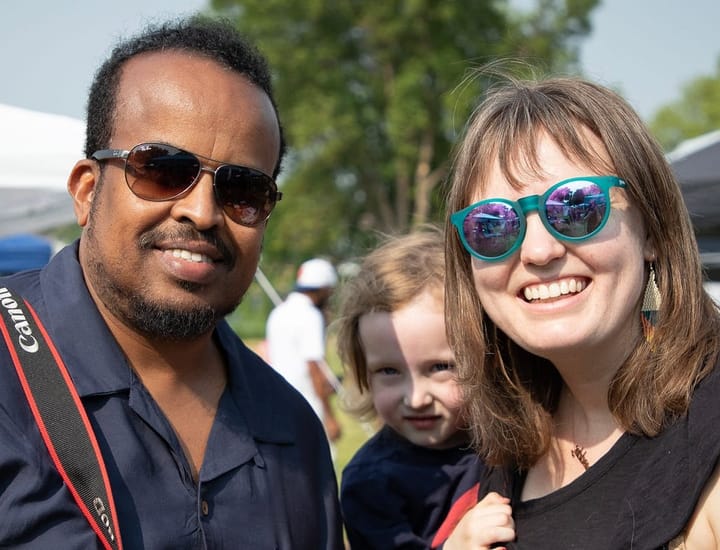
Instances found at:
x=539 y=247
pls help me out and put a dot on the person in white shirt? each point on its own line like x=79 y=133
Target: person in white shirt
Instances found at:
x=295 y=336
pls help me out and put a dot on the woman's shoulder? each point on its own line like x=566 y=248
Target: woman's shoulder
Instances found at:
x=677 y=468
x=701 y=531
x=704 y=438
x=703 y=404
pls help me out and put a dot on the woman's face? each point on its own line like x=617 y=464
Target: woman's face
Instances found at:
x=583 y=296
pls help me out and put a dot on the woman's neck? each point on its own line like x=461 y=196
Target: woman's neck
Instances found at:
x=584 y=431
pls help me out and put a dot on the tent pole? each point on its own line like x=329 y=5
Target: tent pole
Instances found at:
x=267 y=287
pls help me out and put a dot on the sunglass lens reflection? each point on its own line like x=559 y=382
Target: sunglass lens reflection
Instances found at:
x=492 y=228
x=155 y=172
x=577 y=209
x=243 y=193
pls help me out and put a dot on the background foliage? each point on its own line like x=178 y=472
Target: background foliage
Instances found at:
x=696 y=112
x=373 y=94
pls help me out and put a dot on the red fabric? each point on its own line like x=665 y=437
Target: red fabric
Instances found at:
x=466 y=501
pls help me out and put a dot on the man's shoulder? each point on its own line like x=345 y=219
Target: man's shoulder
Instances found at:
x=24 y=283
x=296 y=314
x=261 y=380
x=50 y=281
x=19 y=286
x=293 y=302
x=249 y=361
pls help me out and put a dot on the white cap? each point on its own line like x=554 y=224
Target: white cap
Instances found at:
x=316 y=273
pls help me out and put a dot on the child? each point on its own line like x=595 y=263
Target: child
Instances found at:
x=411 y=482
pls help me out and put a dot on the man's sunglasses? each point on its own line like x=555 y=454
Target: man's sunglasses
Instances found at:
x=161 y=172
x=572 y=210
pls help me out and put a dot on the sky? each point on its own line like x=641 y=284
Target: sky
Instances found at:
x=49 y=50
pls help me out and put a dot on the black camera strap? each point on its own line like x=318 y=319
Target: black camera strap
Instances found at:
x=60 y=415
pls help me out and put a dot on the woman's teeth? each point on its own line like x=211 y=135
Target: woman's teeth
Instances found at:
x=553 y=290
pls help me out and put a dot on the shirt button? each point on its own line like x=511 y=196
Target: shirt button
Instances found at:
x=204 y=508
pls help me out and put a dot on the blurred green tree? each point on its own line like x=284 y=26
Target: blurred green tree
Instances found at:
x=373 y=94
x=695 y=113
x=371 y=103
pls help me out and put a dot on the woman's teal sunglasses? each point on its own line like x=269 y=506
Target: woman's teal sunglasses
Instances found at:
x=572 y=210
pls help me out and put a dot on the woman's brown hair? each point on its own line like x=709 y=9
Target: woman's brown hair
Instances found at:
x=512 y=394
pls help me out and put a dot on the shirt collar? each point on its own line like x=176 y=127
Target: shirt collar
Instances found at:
x=251 y=382
x=97 y=365
x=89 y=351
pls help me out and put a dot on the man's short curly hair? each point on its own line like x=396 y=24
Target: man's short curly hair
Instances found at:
x=212 y=38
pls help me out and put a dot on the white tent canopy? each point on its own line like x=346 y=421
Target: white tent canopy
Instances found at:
x=37 y=152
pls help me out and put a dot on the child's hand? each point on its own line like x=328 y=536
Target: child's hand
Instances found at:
x=488 y=522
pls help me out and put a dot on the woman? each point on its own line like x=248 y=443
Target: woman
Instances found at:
x=596 y=412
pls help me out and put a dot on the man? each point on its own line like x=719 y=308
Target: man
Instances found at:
x=205 y=445
x=295 y=335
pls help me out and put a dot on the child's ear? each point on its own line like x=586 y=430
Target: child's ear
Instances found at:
x=81 y=186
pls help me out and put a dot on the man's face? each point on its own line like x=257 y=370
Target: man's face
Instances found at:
x=171 y=269
x=323 y=297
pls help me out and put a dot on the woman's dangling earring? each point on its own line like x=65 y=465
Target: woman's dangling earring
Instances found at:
x=650 y=306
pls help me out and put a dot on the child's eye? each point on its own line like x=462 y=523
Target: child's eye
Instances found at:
x=442 y=366
x=387 y=371
x=384 y=371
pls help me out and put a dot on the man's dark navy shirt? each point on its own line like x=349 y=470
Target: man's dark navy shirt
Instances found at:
x=266 y=480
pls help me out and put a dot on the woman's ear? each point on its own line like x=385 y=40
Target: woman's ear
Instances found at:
x=81 y=186
x=649 y=250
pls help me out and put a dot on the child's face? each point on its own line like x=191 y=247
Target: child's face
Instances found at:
x=411 y=372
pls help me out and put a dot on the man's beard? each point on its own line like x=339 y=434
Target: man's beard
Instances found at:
x=154 y=319
x=161 y=321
